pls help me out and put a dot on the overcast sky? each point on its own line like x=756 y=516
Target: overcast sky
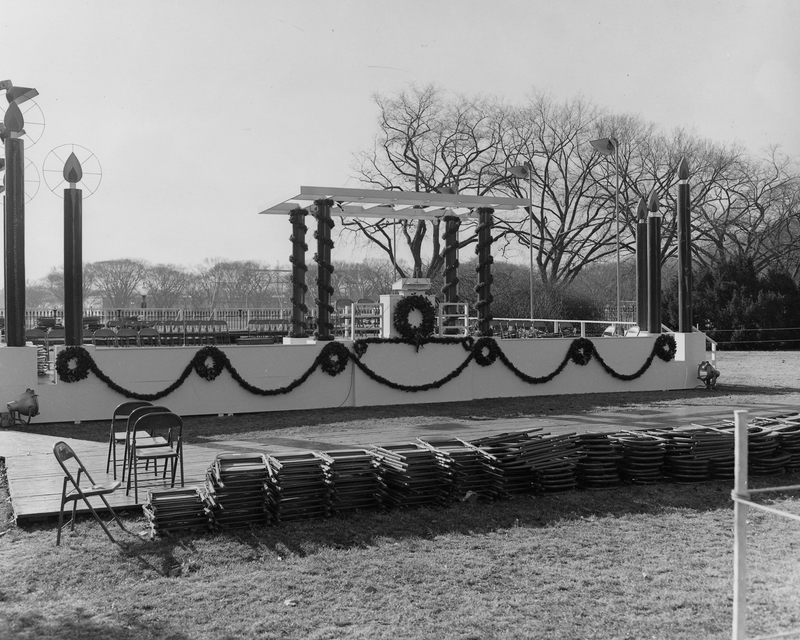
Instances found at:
x=201 y=113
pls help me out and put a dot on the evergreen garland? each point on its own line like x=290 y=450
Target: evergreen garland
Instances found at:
x=334 y=356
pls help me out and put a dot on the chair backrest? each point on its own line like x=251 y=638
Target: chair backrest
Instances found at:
x=126 y=335
x=104 y=335
x=138 y=412
x=56 y=334
x=365 y=301
x=342 y=304
x=149 y=335
x=113 y=323
x=36 y=335
x=610 y=330
x=122 y=411
x=166 y=424
x=632 y=331
x=64 y=453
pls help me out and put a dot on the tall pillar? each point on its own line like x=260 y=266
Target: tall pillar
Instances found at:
x=324 y=269
x=14 y=235
x=450 y=288
x=484 y=269
x=684 y=250
x=653 y=266
x=73 y=267
x=641 y=264
x=299 y=269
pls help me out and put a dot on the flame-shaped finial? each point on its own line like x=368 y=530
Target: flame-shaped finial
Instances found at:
x=683 y=170
x=20 y=94
x=652 y=201
x=13 y=120
x=73 y=173
x=641 y=210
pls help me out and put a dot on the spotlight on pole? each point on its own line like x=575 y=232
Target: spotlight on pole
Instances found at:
x=607 y=146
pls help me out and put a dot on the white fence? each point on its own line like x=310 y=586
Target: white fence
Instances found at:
x=741 y=502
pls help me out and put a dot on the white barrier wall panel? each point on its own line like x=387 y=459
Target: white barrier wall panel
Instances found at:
x=403 y=364
x=153 y=369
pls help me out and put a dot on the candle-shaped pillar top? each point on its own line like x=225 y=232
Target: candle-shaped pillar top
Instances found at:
x=73 y=173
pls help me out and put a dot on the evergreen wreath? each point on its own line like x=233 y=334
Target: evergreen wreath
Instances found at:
x=666 y=347
x=485 y=351
x=402 y=311
x=219 y=361
x=581 y=351
x=333 y=358
x=83 y=364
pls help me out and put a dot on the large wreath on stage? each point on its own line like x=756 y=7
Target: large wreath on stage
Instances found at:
x=83 y=364
x=403 y=310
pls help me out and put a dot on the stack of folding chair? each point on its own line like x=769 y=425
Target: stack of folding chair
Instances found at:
x=236 y=488
x=764 y=457
x=788 y=434
x=354 y=480
x=506 y=451
x=642 y=457
x=470 y=468
x=176 y=510
x=298 y=486
x=553 y=459
x=412 y=475
x=599 y=467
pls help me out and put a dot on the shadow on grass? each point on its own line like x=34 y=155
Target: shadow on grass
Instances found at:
x=365 y=529
x=198 y=428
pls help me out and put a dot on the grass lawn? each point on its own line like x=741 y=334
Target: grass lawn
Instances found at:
x=633 y=562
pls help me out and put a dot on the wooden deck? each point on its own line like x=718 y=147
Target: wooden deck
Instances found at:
x=35 y=479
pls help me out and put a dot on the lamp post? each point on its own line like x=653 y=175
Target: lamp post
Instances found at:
x=525 y=172
x=607 y=146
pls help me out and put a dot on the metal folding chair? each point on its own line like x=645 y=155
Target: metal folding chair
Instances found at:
x=164 y=427
x=70 y=462
x=115 y=437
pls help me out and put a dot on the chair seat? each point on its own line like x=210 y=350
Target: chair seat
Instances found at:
x=119 y=436
x=148 y=442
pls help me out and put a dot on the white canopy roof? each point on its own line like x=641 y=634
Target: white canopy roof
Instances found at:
x=374 y=203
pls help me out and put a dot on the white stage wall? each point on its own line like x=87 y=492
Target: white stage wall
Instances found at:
x=151 y=369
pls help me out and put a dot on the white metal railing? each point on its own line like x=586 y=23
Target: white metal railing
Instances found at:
x=741 y=504
x=363 y=320
x=553 y=327
x=453 y=319
x=236 y=319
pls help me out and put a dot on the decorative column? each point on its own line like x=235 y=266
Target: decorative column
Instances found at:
x=484 y=270
x=653 y=266
x=299 y=269
x=450 y=287
x=684 y=250
x=73 y=253
x=641 y=264
x=324 y=269
x=14 y=226
x=450 y=236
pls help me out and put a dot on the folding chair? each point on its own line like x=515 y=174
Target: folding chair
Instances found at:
x=64 y=453
x=168 y=426
x=115 y=437
x=146 y=438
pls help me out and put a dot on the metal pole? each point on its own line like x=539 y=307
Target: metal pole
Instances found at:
x=616 y=216
x=740 y=528
x=530 y=231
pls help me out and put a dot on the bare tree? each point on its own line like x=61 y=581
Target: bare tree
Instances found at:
x=165 y=284
x=118 y=281
x=428 y=141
